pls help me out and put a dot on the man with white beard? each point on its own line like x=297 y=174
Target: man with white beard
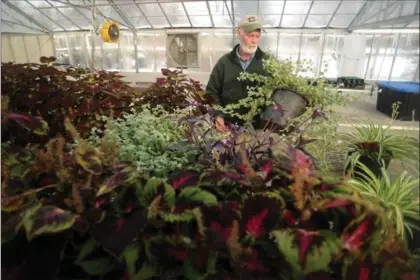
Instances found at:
x=223 y=85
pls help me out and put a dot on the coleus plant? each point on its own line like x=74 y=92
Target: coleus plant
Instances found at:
x=175 y=91
x=79 y=214
x=54 y=93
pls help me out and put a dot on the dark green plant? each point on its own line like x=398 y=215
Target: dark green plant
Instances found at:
x=82 y=214
x=54 y=93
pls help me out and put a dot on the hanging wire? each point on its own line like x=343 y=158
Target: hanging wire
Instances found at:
x=92 y=34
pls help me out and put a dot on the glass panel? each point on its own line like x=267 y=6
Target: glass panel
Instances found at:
x=41 y=4
x=270 y=21
x=341 y=21
x=130 y=10
x=160 y=54
x=218 y=8
x=243 y=8
x=311 y=43
x=78 y=52
x=14 y=28
x=293 y=20
x=200 y=21
x=173 y=9
x=268 y=42
x=179 y=21
x=111 y=57
x=222 y=44
x=350 y=7
x=408 y=8
x=98 y=50
x=329 y=65
x=408 y=45
x=127 y=61
x=196 y=8
x=139 y=22
x=158 y=22
x=317 y=20
x=415 y=23
x=379 y=67
x=222 y=21
x=151 y=10
x=146 y=53
x=324 y=7
x=297 y=7
x=68 y=25
x=109 y=12
x=288 y=46
x=270 y=8
x=38 y=16
x=204 y=55
x=384 y=44
x=404 y=68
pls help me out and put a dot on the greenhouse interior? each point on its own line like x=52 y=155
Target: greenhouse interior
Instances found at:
x=201 y=139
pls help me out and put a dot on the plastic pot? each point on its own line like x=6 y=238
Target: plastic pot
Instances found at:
x=373 y=164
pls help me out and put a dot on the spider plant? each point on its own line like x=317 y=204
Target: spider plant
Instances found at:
x=399 y=197
x=375 y=145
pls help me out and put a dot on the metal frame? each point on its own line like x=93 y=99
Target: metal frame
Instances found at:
x=47 y=16
x=395 y=55
x=397 y=20
x=74 y=23
x=188 y=16
x=13 y=7
x=307 y=14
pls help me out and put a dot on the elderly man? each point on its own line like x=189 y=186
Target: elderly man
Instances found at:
x=223 y=85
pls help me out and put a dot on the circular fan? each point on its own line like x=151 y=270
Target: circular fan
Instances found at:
x=110 y=32
x=183 y=49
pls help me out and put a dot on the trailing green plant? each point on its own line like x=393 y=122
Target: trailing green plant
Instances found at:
x=175 y=91
x=281 y=75
x=398 y=197
x=78 y=214
x=54 y=93
x=143 y=138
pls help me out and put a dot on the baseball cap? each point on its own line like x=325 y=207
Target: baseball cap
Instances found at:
x=250 y=23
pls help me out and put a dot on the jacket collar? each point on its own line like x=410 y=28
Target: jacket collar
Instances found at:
x=258 y=54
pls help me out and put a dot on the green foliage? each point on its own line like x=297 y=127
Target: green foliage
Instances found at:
x=55 y=93
x=144 y=137
x=281 y=75
x=378 y=143
x=399 y=197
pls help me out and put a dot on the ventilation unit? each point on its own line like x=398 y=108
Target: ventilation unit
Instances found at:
x=182 y=50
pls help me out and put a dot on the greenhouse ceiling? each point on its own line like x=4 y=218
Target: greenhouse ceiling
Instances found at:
x=27 y=16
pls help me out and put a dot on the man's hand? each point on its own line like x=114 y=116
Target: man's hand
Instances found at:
x=220 y=124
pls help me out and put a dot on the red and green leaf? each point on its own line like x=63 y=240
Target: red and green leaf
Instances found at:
x=47 y=219
x=184 y=179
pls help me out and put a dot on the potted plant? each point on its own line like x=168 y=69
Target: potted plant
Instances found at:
x=399 y=198
x=375 y=146
x=82 y=214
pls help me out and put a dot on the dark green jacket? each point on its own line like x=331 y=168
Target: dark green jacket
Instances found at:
x=223 y=85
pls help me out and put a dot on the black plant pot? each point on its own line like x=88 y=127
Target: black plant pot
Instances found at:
x=373 y=165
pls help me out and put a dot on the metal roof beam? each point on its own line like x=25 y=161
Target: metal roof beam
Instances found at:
x=397 y=20
x=74 y=23
x=384 y=10
x=14 y=8
x=122 y=15
x=47 y=16
x=282 y=12
x=230 y=16
x=165 y=15
x=335 y=12
x=9 y=22
x=210 y=14
x=307 y=14
x=143 y=14
x=366 y=6
x=188 y=16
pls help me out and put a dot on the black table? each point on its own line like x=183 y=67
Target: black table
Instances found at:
x=408 y=93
